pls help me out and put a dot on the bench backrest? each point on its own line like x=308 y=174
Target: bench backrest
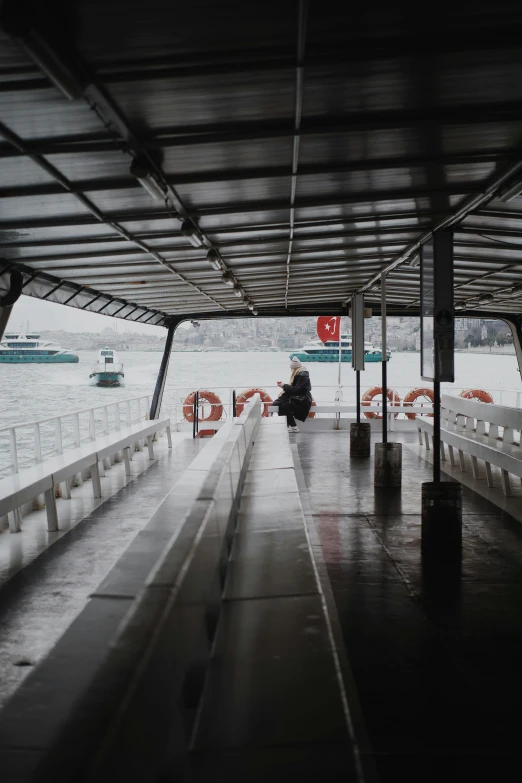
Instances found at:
x=474 y=415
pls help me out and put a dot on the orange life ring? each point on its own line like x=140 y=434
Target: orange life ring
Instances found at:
x=414 y=395
x=216 y=408
x=369 y=394
x=311 y=415
x=476 y=394
x=247 y=394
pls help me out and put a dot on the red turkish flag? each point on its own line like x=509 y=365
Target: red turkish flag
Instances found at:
x=329 y=327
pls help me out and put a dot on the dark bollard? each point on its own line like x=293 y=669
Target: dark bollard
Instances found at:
x=388 y=465
x=360 y=439
x=441 y=517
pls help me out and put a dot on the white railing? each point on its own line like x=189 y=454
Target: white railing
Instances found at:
x=29 y=443
x=331 y=396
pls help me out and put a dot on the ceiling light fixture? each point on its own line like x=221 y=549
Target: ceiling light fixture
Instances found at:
x=255 y=312
x=141 y=169
x=238 y=291
x=214 y=260
x=227 y=278
x=251 y=306
x=189 y=230
x=485 y=298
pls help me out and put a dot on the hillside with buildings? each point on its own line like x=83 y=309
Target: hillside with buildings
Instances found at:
x=246 y=334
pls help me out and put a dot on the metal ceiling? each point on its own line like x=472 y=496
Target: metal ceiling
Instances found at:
x=306 y=146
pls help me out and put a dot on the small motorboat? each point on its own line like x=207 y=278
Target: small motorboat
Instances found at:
x=108 y=370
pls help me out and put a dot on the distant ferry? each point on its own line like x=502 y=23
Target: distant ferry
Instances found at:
x=24 y=348
x=108 y=370
x=317 y=351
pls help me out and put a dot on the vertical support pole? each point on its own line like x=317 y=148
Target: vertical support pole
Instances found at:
x=58 y=436
x=234 y=409
x=358 y=394
x=13 y=451
x=436 y=431
x=37 y=444
x=163 y=370
x=126 y=459
x=384 y=363
x=92 y=425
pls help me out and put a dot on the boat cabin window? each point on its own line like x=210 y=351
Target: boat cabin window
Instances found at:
x=106 y=353
x=24 y=345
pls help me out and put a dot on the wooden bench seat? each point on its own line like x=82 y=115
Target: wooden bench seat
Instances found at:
x=485 y=432
x=26 y=485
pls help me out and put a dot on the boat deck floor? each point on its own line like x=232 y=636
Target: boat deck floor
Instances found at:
x=432 y=655
x=46 y=578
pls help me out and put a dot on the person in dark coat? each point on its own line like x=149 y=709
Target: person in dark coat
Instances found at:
x=295 y=400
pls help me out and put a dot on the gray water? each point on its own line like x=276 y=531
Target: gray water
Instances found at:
x=33 y=392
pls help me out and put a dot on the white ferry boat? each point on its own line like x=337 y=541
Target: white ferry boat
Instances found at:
x=17 y=348
x=317 y=351
x=108 y=370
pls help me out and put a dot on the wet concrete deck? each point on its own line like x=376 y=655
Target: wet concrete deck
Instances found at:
x=46 y=578
x=434 y=653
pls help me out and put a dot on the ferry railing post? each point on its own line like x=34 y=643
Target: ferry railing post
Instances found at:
x=13 y=455
x=234 y=409
x=388 y=456
x=358 y=394
x=37 y=444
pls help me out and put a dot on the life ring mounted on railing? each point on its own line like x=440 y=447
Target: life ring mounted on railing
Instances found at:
x=216 y=407
x=369 y=395
x=416 y=394
x=247 y=394
x=476 y=394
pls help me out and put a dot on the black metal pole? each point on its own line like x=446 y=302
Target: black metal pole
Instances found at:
x=384 y=351
x=384 y=401
x=162 y=374
x=436 y=431
x=358 y=394
x=194 y=414
x=234 y=412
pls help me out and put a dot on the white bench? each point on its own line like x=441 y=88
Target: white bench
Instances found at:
x=26 y=485
x=484 y=431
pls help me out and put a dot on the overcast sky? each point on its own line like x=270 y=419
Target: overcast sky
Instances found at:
x=48 y=316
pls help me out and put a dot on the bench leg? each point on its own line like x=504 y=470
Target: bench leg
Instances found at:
x=50 y=508
x=462 y=462
x=475 y=468
x=15 y=520
x=489 y=475
x=127 y=459
x=169 y=438
x=66 y=489
x=451 y=456
x=139 y=445
x=427 y=441
x=96 y=483
x=150 y=446
x=505 y=483
x=442 y=452
x=78 y=479
x=107 y=464
x=101 y=468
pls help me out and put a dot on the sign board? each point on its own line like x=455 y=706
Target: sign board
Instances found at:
x=436 y=311
x=357 y=314
x=329 y=327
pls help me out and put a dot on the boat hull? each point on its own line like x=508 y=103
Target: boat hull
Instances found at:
x=107 y=378
x=345 y=357
x=35 y=359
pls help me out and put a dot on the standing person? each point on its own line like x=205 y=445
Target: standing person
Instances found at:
x=295 y=400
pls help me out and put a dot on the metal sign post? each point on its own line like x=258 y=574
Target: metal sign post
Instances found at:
x=388 y=456
x=359 y=433
x=441 y=501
